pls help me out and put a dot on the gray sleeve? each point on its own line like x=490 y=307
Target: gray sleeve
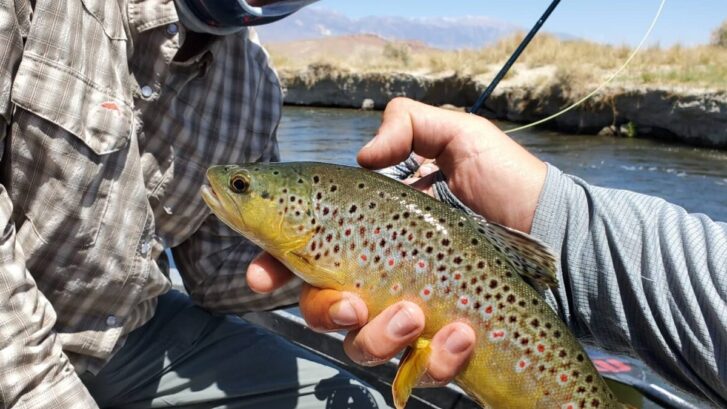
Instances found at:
x=642 y=276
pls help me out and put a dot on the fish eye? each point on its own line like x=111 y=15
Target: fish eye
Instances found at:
x=239 y=184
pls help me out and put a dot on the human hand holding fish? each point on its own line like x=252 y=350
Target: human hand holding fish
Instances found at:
x=467 y=279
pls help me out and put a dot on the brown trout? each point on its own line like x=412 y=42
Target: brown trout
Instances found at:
x=355 y=230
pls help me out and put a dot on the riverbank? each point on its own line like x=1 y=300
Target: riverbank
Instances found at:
x=676 y=93
x=691 y=115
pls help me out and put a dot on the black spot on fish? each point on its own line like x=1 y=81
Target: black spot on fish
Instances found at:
x=319 y=195
x=334 y=188
x=440 y=256
x=396 y=216
x=556 y=334
x=372 y=205
x=457 y=260
x=377 y=258
x=352 y=209
x=429 y=249
x=275 y=172
x=265 y=194
x=535 y=323
x=562 y=353
x=361 y=185
x=316 y=179
x=429 y=234
x=475 y=242
x=445 y=242
x=506 y=288
x=481 y=264
x=281 y=200
x=460 y=224
x=300 y=180
x=493 y=283
x=579 y=357
x=405 y=215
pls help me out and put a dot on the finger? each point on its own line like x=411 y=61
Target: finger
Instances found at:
x=409 y=125
x=423 y=184
x=386 y=335
x=265 y=274
x=330 y=310
x=427 y=168
x=451 y=347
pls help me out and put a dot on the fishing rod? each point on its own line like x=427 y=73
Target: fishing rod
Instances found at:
x=515 y=55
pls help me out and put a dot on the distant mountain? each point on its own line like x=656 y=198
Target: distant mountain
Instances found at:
x=440 y=32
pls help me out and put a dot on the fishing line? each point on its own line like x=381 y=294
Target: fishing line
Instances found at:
x=600 y=87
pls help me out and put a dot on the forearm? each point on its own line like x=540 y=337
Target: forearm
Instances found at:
x=640 y=275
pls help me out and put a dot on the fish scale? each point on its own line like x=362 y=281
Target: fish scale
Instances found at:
x=354 y=230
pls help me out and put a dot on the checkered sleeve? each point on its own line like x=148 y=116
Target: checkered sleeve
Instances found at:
x=642 y=276
x=34 y=371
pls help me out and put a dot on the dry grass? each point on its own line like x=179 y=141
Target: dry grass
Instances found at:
x=577 y=63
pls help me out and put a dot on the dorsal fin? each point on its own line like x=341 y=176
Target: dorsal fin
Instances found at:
x=527 y=255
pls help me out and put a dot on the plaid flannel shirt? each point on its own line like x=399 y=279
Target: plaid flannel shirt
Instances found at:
x=105 y=143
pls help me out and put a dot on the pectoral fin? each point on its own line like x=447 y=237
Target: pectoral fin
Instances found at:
x=412 y=367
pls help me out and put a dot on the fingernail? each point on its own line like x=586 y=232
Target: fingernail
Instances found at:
x=457 y=342
x=426 y=169
x=343 y=313
x=402 y=324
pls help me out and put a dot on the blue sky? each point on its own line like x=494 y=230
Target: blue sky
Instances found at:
x=686 y=22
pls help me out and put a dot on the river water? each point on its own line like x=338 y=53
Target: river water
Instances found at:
x=693 y=178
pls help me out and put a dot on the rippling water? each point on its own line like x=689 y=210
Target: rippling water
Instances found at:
x=693 y=178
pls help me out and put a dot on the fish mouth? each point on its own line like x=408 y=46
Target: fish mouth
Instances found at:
x=210 y=197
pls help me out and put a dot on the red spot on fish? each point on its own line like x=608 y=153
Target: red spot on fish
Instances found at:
x=497 y=335
x=377 y=230
x=348 y=232
x=391 y=261
x=457 y=276
x=111 y=106
x=541 y=348
x=464 y=300
x=488 y=309
x=364 y=258
x=421 y=264
x=427 y=291
x=563 y=378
